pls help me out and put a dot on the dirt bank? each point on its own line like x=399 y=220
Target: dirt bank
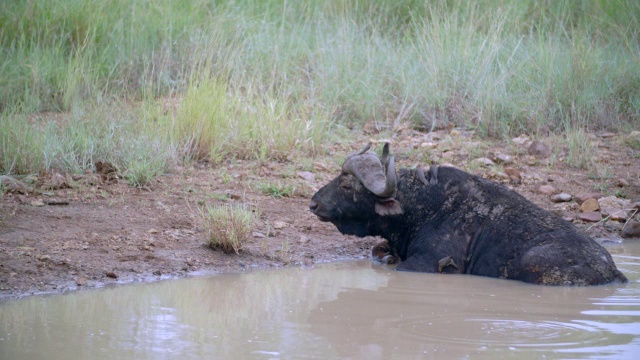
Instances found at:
x=93 y=230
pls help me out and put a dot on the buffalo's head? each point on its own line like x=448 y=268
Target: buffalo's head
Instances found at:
x=363 y=193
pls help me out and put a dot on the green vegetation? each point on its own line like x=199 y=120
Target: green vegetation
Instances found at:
x=144 y=84
x=276 y=189
x=228 y=226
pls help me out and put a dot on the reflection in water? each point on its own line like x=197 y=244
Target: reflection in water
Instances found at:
x=344 y=310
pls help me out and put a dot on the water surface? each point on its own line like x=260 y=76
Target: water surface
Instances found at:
x=342 y=310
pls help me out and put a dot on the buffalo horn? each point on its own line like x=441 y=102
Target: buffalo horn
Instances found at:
x=368 y=169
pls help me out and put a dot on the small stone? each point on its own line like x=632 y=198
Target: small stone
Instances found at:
x=455 y=132
x=580 y=198
x=307 y=262
x=503 y=159
x=429 y=145
x=590 y=205
x=615 y=214
x=546 y=190
x=614 y=202
x=55 y=181
x=622 y=183
x=37 y=203
x=513 y=173
x=190 y=262
x=520 y=140
x=631 y=230
x=81 y=281
x=111 y=274
x=485 y=161
x=592 y=216
x=157 y=273
x=153 y=231
x=568 y=217
x=279 y=225
x=258 y=235
x=562 y=197
x=306 y=175
x=539 y=149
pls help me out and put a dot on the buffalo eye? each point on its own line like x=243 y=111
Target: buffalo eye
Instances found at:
x=345 y=183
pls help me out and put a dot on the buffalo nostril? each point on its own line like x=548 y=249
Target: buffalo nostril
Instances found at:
x=313 y=205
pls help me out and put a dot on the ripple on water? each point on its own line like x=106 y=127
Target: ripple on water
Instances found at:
x=481 y=333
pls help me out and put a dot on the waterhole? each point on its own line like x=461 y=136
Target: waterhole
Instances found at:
x=353 y=309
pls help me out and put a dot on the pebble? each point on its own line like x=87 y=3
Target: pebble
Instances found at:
x=485 y=161
x=631 y=230
x=622 y=183
x=592 y=216
x=546 y=189
x=306 y=175
x=539 y=149
x=580 y=198
x=562 y=197
x=503 y=159
x=514 y=174
x=589 y=205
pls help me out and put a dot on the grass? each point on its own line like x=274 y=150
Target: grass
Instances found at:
x=579 y=149
x=144 y=84
x=228 y=226
x=276 y=189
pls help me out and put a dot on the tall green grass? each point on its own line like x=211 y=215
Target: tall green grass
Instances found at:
x=259 y=79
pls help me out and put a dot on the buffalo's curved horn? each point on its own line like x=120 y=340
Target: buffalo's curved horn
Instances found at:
x=368 y=169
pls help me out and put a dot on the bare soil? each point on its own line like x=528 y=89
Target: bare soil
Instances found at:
x=94 y=230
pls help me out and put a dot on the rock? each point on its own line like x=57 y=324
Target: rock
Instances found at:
x=631 y=230
x=513 y=174
x=621 y=183
x=614 y=202
x=429 y=145
x=279 y=225
x=306 y=175
x=37 y=203
x=455 y=132
x=258 y=235
x=568 y=217
x=591 y=216
x=633 y=139
x=614 y=214
x=503 y=159
x=562 y=197
x=590 y=205
x=111 y=274
x=615 y=208
x=584 y=197
x=485 y=161
x=81 y=281
x=546 y=190
x=53 y=181
x=520 y=140
x=539 y=149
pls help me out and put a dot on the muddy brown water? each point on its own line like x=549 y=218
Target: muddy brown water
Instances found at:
x=340 y=310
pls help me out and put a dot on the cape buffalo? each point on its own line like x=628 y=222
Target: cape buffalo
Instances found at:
x=449 y=221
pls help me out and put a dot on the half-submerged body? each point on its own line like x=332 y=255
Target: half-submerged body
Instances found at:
x=449 y=221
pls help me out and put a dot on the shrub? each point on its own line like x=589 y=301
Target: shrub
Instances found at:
x=227 y=226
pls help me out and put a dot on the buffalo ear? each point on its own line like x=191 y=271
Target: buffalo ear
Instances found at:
x=388 y=207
